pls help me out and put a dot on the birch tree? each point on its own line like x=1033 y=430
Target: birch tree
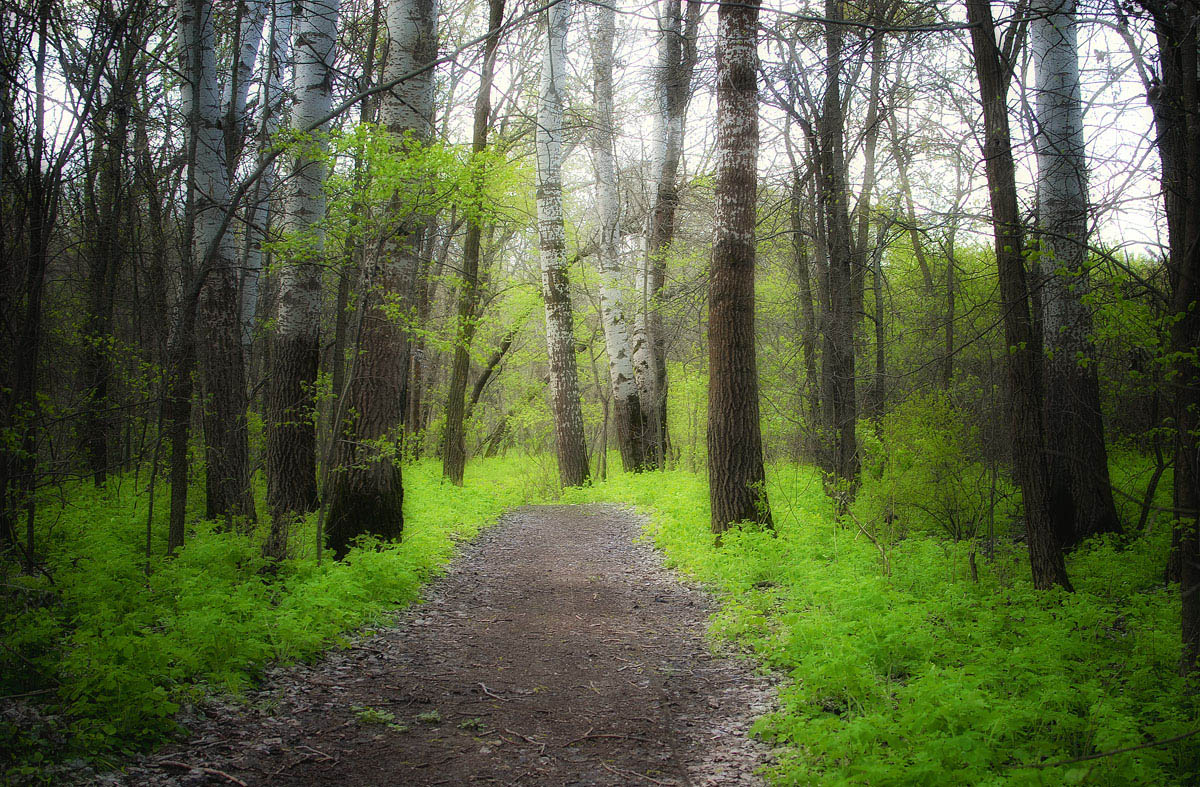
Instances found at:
x=736 y=478
x=366 y=489
x=570 y=445
x=258 y=211
x=291 y=432
x=627 y=405
x=673 y=90
x=1079 y=462
x=218 y=340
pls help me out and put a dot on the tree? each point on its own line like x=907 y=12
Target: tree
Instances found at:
x=736 y=478
x=1078 y=459
x=1175 y=100
x=673 y=91
x=214 y=262
x=455 y=453
x=570 y=445
x=1024 y=358
x=366 y=493
x=291 y=400
x=627 y=404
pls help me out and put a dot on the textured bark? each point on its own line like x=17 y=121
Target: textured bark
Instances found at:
x=454 y=460
x=1024 y=358
x=1078 y=459
x=811 y=388
x=366 y=492
x=1176 y=104
x=258 y=208
x=736 y=478
x=844 y=284
x=291 y=386
x=218 y=339
x=570 y=444
x=673 y=90
x=627 y=405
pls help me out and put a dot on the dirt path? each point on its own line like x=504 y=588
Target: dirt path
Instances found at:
x=555 y=652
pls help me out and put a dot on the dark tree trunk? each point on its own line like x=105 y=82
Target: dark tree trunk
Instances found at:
x=1024 y=358
x=454 y=460
x=366 y=492
x=808 y=324
x=736 y=478
x=845 y=278
x=1176 y=104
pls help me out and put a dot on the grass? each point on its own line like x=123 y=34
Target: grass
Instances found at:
x=920 y=675
x=898 y=666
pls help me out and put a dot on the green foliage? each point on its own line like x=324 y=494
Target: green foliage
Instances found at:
x=118 y=650
x=926 y=677
x=920 y=475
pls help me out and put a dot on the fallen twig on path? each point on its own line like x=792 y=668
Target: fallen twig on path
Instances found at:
x=209 y=771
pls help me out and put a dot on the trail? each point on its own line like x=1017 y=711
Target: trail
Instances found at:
x=556 y=651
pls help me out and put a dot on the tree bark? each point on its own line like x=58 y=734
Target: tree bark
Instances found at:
x=1176 y=104
x=291 y=385
x=218 y=339
x=838 y=354
x=1078 y=459
x=570 y=443
x=627 y=405
x=1024 y=359
x=366 y=490
x=736 y=478
x=673 y=91
x=454 y=460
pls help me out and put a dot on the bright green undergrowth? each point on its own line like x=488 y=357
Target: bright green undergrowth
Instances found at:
x=117 y=650
x=922 y=675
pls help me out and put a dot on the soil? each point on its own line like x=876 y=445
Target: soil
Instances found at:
x=557 y=650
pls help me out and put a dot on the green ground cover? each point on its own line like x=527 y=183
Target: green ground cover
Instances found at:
x=900 y=663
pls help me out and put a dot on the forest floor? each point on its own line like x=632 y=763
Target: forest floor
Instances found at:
x=557 y=650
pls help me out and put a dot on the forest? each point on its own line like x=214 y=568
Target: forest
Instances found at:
x=884 y=315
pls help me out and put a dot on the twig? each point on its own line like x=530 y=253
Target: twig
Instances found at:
x=623 y=772
x=209 y=771
x=1109 y=753
x=590 y=736
x=490 y=693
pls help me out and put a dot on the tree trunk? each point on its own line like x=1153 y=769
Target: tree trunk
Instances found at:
x=811 y=386
x=218 y=339
x=844 y=305
x=1078 y=459
x=1176 y=104
x=673 y=91
x=570 y=443
x=366 y=490
x=1024 y=359
x=454 y=460
x=258 y=210
x=736 y=478
x=292 y=383
x=627 y=406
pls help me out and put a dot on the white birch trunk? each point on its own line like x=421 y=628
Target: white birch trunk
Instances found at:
x=299 y=306
x=258 y=211
x=1075 y=429
x=612 y=279
x=219 y=348
x=571 y=447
